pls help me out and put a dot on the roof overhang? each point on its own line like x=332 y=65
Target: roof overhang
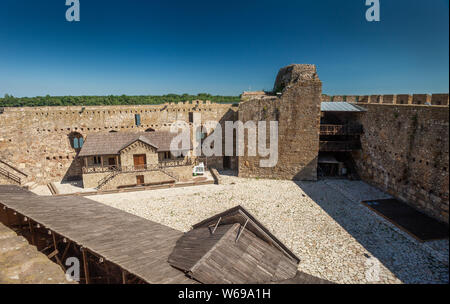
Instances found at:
x=331 y=106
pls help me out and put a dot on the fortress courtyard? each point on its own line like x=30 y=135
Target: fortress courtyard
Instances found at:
x=323 y=223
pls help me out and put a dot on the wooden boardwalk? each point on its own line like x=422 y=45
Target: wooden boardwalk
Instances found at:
x=139 y=246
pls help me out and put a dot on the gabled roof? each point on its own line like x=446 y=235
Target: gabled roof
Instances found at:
x=113 y=143
x=233 y=247
x=332 y=106
x=239 y=214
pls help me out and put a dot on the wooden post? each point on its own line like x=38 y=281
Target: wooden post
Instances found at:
x=66 y=250
x=108 y=274
x=124 y=277
x=8 y=223
x=85 y=265
x=33 y=237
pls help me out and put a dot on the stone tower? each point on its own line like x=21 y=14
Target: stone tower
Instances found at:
x=295 y=104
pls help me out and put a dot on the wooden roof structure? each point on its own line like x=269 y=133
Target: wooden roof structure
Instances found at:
x=113 y=143
x=233 y=247
x=139 y=246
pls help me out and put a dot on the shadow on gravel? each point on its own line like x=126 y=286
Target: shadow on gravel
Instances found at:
x=405 y=258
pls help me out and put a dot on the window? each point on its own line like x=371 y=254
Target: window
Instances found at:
x=97 y=160
x=76 y=140
x=137 y=118
x=167 y=155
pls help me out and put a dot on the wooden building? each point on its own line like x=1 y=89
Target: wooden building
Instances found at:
x=234 y=248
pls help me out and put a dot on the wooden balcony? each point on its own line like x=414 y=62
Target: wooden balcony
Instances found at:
x=351 y=129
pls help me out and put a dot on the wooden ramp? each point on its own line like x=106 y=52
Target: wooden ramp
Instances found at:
x=138 y=246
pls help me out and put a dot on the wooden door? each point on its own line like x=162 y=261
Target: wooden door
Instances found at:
x=139 y=180
x=140 y=160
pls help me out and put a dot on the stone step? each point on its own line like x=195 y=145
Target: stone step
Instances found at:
x=30 y=185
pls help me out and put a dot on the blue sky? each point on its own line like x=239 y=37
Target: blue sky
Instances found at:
x=138 y=47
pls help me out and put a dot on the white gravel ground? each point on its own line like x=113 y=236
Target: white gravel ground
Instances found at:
x=335 y=237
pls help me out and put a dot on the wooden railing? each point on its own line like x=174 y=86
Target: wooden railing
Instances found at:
x=339 y=146
x=125 y=169
x=10 y=176
x=14 y=168
x=175 y=163
x=351 y=129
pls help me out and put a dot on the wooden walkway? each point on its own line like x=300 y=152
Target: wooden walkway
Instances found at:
x=139 y=246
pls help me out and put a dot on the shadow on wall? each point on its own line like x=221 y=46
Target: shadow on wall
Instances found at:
x=74 y=172
x=389 y=247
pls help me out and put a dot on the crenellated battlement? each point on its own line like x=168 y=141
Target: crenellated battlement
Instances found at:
x=398 y=99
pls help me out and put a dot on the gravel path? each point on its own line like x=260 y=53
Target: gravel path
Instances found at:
x=335 y=237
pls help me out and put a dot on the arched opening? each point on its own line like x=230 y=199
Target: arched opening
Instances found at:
x=150 y=130
x=113 y=131
x=76 y=140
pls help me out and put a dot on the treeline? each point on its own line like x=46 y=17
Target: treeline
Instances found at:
x=39 y=101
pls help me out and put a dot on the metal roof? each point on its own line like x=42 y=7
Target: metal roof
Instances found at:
x=332 y=106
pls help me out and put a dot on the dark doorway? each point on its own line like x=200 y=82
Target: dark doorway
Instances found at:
x=139 y=180
x=227 y=162
x=111 y=161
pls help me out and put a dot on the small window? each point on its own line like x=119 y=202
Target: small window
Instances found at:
x=78 y=142
x=167 y=155
x=137 y=118
x=97 y=160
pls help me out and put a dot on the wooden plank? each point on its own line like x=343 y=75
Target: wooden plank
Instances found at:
x=115 y=235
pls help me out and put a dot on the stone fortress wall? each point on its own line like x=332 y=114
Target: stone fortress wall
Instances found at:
x=36 y=140
x=404 y=146
x=414 y=99
x=405 y=152
x=296 y=108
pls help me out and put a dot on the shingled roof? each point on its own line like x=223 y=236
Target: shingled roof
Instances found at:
x=233 y=247
x=113 y=143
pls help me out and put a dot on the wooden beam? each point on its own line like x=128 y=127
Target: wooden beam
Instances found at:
x=124 y=276
x=85 y=265
x=108 y=273
x=217 y=224
x=66 y=250
x=242 y=230
x=33 y=236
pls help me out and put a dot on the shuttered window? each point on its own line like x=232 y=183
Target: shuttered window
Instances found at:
x=137 y=118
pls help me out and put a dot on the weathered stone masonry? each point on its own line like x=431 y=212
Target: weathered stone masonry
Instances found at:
x=405 y=152
x=37 y=140
x=297 y=110
x=404 y=147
